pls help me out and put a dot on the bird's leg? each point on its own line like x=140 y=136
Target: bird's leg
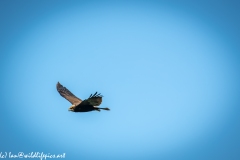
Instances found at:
x=96 y=108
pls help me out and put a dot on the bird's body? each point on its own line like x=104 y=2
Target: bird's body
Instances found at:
x=78 y=105
x=85 y=108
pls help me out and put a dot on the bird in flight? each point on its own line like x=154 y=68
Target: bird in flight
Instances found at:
x=78 y=105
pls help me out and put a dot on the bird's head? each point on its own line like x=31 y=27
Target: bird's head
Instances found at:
x=71 y=109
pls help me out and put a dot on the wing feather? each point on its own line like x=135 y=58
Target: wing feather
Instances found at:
x=64 y=92
x=94 y=100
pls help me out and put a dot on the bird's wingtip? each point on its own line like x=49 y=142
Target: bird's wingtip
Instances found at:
x=58 y=84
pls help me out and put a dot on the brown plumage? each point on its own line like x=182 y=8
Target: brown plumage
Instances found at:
x=78 y=105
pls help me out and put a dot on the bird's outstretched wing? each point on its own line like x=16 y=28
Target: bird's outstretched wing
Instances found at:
x=94 y=100
x=64 y=92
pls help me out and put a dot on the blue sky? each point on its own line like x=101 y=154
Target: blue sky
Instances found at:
x=169 y=72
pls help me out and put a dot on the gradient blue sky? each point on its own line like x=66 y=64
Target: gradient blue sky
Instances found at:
x=168 y=70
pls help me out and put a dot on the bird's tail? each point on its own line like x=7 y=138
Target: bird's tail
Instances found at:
x=105 y=109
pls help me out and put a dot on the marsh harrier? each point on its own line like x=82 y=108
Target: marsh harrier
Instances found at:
x=78 y=105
